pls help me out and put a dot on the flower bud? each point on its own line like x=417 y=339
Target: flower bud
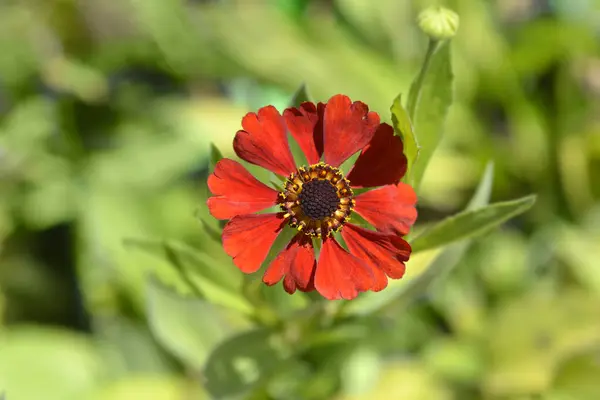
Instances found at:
x=438 y=22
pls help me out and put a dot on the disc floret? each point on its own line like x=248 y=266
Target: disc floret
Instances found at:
x=317 y=200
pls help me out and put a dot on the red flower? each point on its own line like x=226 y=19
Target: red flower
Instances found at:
x=317 y=199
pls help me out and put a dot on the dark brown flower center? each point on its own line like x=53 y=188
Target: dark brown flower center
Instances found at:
x=317 y=200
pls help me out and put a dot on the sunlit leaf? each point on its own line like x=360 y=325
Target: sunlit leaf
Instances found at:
x=471 y=223
x=188 y=327
x=403 y=128
x=428 y=101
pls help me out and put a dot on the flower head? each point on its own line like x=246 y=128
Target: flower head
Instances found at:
x=317 y=199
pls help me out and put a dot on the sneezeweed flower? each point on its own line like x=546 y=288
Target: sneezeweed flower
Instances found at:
x=317 y=199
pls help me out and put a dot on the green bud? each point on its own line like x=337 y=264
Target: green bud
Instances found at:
x=439 y=22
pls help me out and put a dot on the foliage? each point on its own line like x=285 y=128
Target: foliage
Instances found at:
x=113 y=281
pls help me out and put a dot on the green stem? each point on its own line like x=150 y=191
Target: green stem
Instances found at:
x=415 y=88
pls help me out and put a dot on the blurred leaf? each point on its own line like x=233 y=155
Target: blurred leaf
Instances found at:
x=170 y=26
x=2 y=306
x=403 y=128
x=429 y=98
x=133 y=348
x=150 y=387
x=577 y=378
x=455 y=360
x=360 y=371
x=294 y=8
x=21 y=58
x=431 y=265
x=209 y=229
x=189 y=328
x=70 y=76
x=239 y=363
x=25 y=129
x=44 y=363
x=579 y=250
x=290 y=378
x=529 y=336
x=50 y=201
x=482 y=194
x=470 y=223
x=215 y=157
x=202 y=273
x=300 y=96
x=404 y=380
x=505 y=266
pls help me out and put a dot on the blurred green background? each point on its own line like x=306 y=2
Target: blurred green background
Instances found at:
x=107 y=113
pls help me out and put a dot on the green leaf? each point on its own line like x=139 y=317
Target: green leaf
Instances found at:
x=215 y=156
x=188 y=327
x=403 y=128
x=241 y=362
x=422 y=269
x=46 y=363
x=203 y=274
x=428 y=101
x=300 y=96
x=471 y=223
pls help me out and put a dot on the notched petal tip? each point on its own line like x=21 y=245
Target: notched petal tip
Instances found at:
x=348 y=127
x=263 y=141
x=305 y=124
x=236 y=191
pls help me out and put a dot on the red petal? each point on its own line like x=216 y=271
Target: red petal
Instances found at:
x=382 y=252
x=236 y=191
x=390 y=208
x=306 y=126
x=264 y=141
x=339 y=274
x=348 y=127
x=382 y=162
x=248 y=239
x=296 y=262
